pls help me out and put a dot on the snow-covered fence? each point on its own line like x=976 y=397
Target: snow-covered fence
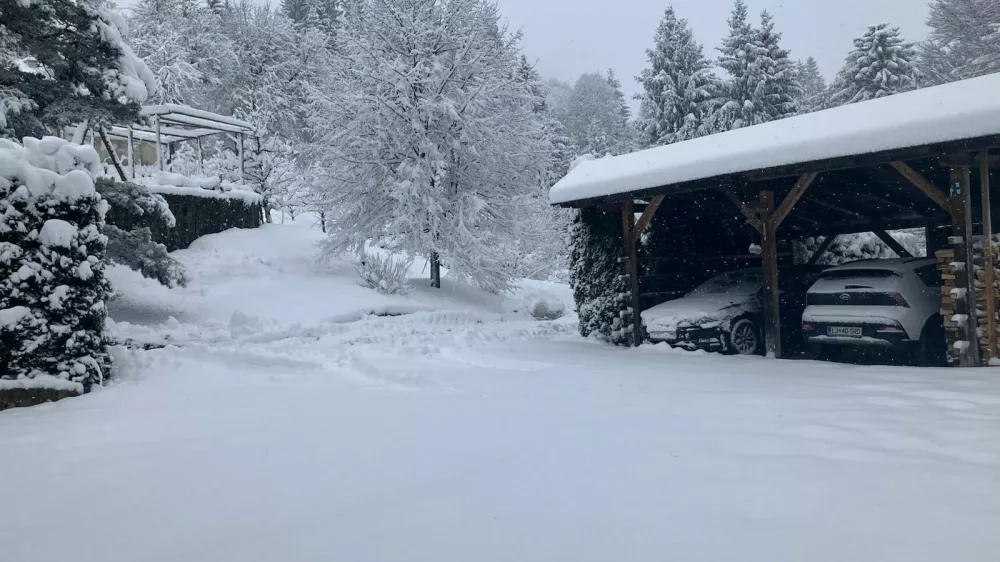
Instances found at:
x=197 y=212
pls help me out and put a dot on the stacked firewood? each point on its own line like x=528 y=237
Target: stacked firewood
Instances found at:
x=983 y=293
x=952 y=328
x=954 y=322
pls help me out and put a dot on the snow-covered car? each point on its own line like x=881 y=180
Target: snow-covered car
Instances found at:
x=726 y=312
x=890 y=304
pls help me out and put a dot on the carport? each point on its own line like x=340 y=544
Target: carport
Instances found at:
x=917 y=160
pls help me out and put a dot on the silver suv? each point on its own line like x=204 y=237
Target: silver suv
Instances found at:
x=890 y=304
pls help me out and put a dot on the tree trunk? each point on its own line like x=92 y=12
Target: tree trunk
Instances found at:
x=111 y=153
x=435 y=270
x=322 y=221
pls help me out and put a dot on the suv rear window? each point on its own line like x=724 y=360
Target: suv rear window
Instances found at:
x=859 y=274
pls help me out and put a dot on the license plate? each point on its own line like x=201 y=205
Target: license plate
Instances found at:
x=844 y=331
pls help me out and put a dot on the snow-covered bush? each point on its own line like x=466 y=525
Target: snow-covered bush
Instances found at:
x=546 y=309
x=52 y=257
x=386 y=273
x=598 y=290
x=134 y=247
x=862 y=246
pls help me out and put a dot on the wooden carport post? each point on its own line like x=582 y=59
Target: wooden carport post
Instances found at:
x=771 y=218
x=772 y=295
x=989 y=267
x=631 y=229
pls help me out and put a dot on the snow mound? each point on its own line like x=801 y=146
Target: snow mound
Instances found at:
x=49 y=167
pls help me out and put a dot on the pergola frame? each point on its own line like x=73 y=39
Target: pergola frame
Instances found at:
x=927 y=204
x=169 y=124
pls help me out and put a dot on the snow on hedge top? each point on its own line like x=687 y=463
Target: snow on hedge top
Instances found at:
x=49 y=166
x=169 y=183
x=960 y=110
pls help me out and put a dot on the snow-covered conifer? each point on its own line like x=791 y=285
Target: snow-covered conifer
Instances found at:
x=66 y=62
x=762 y=84
x=964 y=41
x=778 y=86
x=814 y=89
x=595 y=120
x=677 y=85
x=52 y=286
x=881 y=64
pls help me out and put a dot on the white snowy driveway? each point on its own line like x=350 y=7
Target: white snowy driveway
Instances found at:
x=526 y=450
x=454 y=436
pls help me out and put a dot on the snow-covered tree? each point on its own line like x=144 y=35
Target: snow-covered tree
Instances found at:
x=65 y=62
x=761 y=84
x=595 y=275
x=52 y=286
x=434 y=144
x=814 y=89
x=964 y=40
x=677 y=87
x=557 y=96
x=881 y=64
x=183 y=44
x=778 y=86
x=595 y=119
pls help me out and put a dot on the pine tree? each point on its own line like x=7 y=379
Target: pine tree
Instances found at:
x=52 y=285
x=814 y=90
x=778 y=86
x=739 y=54
x=595 y=118
x=881 y=64
x=296 y=10
x=65 y=62
x=677 y=86
x=964 y=40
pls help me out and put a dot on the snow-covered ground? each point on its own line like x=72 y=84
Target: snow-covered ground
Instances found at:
x=287 y=422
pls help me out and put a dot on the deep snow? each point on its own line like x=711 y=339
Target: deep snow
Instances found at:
x=289 y=424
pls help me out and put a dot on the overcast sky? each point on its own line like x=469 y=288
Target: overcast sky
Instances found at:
x=570 y=37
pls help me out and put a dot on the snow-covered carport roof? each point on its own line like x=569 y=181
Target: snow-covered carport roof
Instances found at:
x=857 y=142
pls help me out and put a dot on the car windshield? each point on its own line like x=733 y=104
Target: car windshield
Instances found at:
x=744 y=282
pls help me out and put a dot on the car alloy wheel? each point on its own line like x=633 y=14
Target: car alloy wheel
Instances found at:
x=744 y=338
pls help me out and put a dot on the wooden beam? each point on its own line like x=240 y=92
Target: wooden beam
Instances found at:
x=893 y=244
x=969 y=160
x=823 y=247
x=961 y=221
x=989 y=266
x=647 y=215
x=923 y=184
x=632 y=269
x=772 y=298
x=798 y=190
x=747 y=210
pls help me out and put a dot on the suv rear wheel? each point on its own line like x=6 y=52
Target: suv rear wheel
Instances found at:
x=744 y=338
x=932 y=345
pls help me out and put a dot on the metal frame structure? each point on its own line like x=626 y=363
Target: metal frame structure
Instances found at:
x=169 y=124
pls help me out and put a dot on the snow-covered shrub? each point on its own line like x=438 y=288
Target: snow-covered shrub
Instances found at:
x=861 y=246
x=52 y=257
x=386 y=273
x=599 y=292
x=546 y=309
x=134 y=247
